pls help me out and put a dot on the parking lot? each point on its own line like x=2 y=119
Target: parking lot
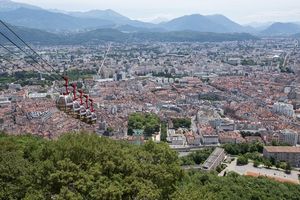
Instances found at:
x=249 y=170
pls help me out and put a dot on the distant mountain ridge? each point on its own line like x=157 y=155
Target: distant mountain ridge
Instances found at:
x=97 y=36
x=50 y=21
x=201 y=23
x=7 y=5
x=282 y=29
x=57 y=21
x=101 y=14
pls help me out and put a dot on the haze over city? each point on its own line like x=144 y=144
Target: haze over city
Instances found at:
x=242 y=11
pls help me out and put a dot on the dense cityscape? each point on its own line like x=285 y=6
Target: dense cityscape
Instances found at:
x=196 y=111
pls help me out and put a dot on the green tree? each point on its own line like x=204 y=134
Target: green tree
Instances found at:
x=268 y=163
x=242 y=160
x=288 y=168
x=256 y=163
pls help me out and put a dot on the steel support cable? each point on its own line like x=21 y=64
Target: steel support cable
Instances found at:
x=27 y=55
x=1 y=45
x=28 y=46
x=7 y=60
x=1 y=57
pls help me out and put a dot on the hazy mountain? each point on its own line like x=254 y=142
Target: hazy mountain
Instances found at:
x=230 y=25
x=210 y=23
x=25 y=15
x=31 y=36
x=56 y=20
x=102 y=14
x=7 y=5
x=297 y=35
x=282 y=29
x=116 y=18
x=100 y=35
x=259 y=25
x=159 y=20
x=193 y=23
x=50 y=21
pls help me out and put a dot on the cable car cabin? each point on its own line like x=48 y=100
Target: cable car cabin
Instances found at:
x=65 y=101
x=94 y=116
x=88 y=115
x=83 y=110
x=76 y=104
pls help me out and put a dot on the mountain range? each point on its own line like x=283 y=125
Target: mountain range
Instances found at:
x=37 y=36
x=56 y=21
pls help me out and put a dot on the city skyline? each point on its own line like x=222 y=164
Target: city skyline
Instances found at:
x=243 y=12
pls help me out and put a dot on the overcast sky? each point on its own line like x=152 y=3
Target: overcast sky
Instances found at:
x=242 y=11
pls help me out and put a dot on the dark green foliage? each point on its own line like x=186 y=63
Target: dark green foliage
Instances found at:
x=182 y=123
x=25 y=78
x=248 y=62
x=256 y=163
x=243 y=148
x=163 y=136
x=149 y=122
x=76 y=74
x=247 y=133
x=85 y=167
x=275 y=143
x=197 y=157
x=268 y=163
x=288 y=168
x=242 y=160
x=82 y=166
x=207 y=186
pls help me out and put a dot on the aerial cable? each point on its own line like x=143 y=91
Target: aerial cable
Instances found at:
x=26 y=53
x=1 y=45
x=3 y=58
x=7 y=49
x=28 y=46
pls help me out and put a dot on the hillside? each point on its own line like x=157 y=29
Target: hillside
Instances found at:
x=93 y=37
x=282 y=29
x=31 y=35
x=193 y=23
x=26 y=15
x=209 y=23
x=50 y=21
x=7 y=5
x=82 y=166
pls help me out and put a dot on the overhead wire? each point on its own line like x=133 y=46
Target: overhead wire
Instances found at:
x=7 y=60
x=30 y=56
x=14 y=33
x=1 y=45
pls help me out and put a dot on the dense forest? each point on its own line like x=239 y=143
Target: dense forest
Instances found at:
x=85 y=166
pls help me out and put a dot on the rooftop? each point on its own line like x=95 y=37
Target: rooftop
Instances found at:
x=284 y=149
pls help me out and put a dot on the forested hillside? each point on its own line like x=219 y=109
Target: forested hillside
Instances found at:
x=82 y=166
